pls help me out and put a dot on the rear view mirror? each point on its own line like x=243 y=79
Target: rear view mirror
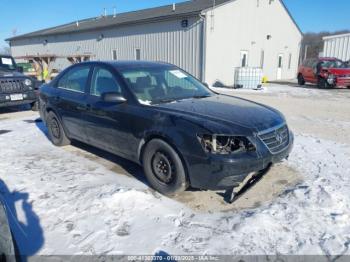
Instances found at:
x=113 y=98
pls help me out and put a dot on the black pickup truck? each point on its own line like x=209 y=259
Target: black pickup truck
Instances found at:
x=15 y=87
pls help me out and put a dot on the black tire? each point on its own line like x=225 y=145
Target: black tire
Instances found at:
x=56 y=131
x=34 y=106
x=301 y=80
x=163 y=168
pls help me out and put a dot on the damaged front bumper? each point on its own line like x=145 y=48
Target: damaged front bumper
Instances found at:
x=218 y=172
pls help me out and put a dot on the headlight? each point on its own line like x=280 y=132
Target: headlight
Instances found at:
x=224 y=144
x=331 y=79
x=28 y=82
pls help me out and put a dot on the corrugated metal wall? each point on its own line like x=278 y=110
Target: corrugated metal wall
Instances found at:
x=162 y=41
x=337 y=46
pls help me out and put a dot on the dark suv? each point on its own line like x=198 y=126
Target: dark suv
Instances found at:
x=16 y=88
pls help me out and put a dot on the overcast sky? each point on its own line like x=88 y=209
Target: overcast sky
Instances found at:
x=18 y=16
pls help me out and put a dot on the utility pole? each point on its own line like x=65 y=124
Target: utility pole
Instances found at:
x=306 y=49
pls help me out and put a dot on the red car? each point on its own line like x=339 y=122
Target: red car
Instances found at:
x=325 y=72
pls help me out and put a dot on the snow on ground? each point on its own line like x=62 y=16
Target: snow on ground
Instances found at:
x=66 y=204
x=287 y=90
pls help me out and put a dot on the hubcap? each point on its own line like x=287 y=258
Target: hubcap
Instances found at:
x=55 y=128
x=163 y=168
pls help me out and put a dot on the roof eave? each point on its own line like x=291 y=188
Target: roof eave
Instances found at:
x=147 y=20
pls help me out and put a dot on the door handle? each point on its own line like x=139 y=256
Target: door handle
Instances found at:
x=84 y=107
x=57 y=98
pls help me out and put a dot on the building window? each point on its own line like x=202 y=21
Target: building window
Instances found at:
x=244 y=59
x=280 y=61
x=262 y=58
x=114 y=54
x=138 y=54
x=290 y=61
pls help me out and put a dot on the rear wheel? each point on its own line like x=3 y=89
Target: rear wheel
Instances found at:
x=163 y=168
x=301 y=80
x=56 y=132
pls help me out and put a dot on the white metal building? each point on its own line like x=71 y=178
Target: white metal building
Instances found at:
x=337 y=46
x=208 y=38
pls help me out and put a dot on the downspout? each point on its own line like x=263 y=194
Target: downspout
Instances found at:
x=203 y=45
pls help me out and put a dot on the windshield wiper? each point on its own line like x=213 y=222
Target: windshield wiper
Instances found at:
x=169 y=100
x=162 y=101
x=201 y=96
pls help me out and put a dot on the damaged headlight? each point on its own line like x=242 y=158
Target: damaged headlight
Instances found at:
x=331 y=79
x=224 y=144
x=27 y=82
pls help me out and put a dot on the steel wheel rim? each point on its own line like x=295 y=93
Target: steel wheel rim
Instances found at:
x=55 y=128
x=163 y=168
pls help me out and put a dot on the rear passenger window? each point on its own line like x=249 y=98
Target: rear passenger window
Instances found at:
x=75 y=79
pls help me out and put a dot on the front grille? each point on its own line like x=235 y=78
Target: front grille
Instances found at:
x=10 y=86
x=276 y=139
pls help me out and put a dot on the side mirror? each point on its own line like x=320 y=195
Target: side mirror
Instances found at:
x=20 y=69
x=113 y=98
x=206 y=85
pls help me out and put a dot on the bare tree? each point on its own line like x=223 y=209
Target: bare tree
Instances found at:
x=6 y=50
x=313 y=43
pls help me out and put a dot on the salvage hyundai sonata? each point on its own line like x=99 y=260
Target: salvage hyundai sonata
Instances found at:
x=159 y=116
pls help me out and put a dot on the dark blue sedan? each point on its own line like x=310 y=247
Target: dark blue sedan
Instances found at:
x=159 y=116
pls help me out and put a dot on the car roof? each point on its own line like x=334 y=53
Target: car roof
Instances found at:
x=122 y=65
x=329 y=59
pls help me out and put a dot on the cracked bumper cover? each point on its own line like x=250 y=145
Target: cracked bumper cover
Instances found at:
x=218 y=172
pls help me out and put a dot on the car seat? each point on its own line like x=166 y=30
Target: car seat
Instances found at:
x=142 y=88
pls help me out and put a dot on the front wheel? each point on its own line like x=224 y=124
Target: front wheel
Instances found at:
x=56 y=131
x=164 y=168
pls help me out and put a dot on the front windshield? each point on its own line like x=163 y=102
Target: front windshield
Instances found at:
x=335 y=64
x=7 y=63
x=155 y=85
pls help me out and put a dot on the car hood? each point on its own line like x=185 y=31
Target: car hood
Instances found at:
x=227 y=110
x=339 y=71
x=5 y=73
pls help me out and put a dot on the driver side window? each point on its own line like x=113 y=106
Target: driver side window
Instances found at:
x=103 y=81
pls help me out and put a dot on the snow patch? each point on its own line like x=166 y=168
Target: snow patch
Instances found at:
x=66 y=204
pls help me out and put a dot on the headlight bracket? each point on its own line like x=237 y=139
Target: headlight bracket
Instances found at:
x=225 y=144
